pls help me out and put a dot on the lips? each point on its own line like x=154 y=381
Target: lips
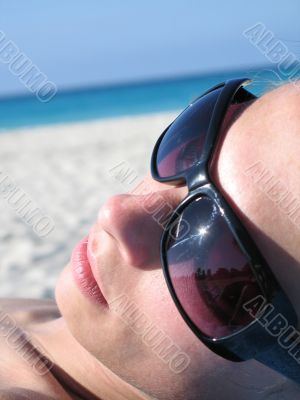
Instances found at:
x=83 y=275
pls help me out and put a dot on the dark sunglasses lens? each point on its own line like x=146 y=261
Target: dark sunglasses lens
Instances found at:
x=210 y=274
x=182 y=144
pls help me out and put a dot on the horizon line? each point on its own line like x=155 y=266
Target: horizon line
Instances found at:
x=139 y=82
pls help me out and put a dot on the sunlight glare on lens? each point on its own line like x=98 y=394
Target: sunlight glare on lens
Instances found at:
x=202 y=231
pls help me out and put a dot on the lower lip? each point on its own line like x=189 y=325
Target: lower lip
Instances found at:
x=83 y=275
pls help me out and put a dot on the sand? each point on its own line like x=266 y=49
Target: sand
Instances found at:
x=63 y=173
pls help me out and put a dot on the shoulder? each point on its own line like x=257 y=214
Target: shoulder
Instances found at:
x=18 y=393
x=26 y=311
x=22 y=375
x=17 y=303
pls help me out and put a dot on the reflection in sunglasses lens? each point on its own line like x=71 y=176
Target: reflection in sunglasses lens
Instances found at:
x=210 y=274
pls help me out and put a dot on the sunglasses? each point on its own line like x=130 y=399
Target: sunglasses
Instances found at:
x=211 y=264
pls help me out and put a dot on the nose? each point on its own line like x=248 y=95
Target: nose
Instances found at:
x=136 y=223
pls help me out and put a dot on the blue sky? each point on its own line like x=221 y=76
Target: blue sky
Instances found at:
x=93 y=42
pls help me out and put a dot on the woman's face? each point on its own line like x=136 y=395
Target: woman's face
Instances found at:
x=137 y=331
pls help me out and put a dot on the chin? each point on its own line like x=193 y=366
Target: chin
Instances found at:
x=82 y=317
x=69 y=300
x=66 y=294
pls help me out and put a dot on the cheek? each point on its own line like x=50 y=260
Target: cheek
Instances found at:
x=143 y=332
x=160 y=312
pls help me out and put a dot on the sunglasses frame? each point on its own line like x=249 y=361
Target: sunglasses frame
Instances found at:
x=251 y=340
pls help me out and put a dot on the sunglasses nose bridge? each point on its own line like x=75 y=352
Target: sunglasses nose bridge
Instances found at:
x=197 y=176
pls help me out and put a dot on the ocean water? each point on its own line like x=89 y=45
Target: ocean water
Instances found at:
x=123 y=99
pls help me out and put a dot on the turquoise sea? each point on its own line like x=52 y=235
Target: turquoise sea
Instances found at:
x=123 y=99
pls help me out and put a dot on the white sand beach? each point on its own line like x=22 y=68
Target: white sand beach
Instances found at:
x=64 y=171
